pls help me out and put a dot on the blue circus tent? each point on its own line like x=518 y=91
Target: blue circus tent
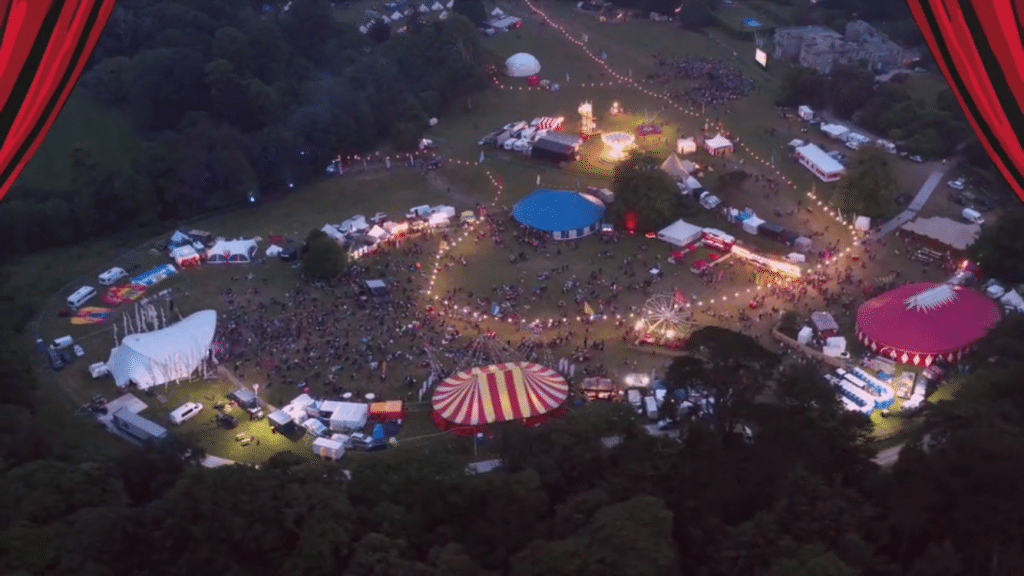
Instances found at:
x=564 y=213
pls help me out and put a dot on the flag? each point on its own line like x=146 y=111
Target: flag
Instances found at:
x=538 y=179
x=680 y=298
x=587 y=309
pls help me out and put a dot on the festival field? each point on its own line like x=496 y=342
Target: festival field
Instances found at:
x=385 y=340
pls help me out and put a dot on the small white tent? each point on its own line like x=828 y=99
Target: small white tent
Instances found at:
x=354 y=224
x=152 y=358
x=686 y=146
x=497 y=13
x=1012 y=300
x=443 y=15
x=680 y=233
x=396 y=15
x=437 y=7
x=718 y=145
x=804 y=336
x=363 y=29
x=423 y=8
x=522 y=65
x=274 y=250
x=450 y=4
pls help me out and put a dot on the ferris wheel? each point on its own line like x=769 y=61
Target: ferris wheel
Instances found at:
x=666 y=316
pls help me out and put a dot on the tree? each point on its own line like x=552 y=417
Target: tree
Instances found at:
x=802 y=86
x=849 y=88
x=1000 y=248
x=645 y=190
x=322 y=258
x=473 y=10
x=379 y=31
x=869 y=187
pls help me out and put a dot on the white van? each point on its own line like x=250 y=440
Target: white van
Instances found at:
x=80 y=296
x=972 y=215
x=113 y=275
x=62 y=342
x=185 y=411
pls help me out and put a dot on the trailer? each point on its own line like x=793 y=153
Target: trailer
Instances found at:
x=138 y=427
x=329 y=449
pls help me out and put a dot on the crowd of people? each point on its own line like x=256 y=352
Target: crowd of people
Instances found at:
x=715 y=82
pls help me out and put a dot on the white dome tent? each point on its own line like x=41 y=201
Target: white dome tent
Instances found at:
x=522 y=65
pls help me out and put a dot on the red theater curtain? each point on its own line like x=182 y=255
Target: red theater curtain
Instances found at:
x=44 y=44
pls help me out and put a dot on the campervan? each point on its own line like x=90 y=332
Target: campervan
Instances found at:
x=113 y=275
x=185 y=411
x=972 y=215
x=80 y=296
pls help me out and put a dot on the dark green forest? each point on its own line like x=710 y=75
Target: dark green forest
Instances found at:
x=240 y=98
x=802 y=498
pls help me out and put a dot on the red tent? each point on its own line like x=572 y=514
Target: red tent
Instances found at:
x=533 y=80
x=484 y=395
x=924 y=321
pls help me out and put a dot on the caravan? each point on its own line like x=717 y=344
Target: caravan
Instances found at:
x=80 y=297
x=111 y=276
x=186 y=411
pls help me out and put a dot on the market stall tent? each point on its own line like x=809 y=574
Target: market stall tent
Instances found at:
x=718 y=145
x=185 y=256
x=174 y=353
x=349 y=416
x=522 y=65
x=680 y=233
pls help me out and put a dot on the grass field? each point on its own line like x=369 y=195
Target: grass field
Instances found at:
x=463 y=184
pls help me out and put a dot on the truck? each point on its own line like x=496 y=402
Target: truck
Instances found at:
x=138 y=427
x=635 y=399
x=651 y=407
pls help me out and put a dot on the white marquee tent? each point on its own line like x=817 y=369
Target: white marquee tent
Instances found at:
x=349 y=416
x=522 y=65
x=718 y=145
x=680 y=233
x=152 y=358
x=238 y=251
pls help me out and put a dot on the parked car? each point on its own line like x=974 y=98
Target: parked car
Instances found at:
x=917 y=159
x=983 y=204
x=957 y=184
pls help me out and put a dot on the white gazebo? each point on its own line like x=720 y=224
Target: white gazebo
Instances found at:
x=718 y=145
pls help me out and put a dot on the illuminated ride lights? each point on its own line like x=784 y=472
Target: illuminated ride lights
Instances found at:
x=616 y=146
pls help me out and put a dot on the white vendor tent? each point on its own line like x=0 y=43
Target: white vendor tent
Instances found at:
x=333 y=233
x=296 y=413
x=349 y=416
x=450 y=4
x=231 y=251
x=497 y=13
x=326 y=448
x=1012 y=300
x=274 y=250
x=363 y=29
x=838 y=342
x=443 y=15
x=423 y=8
x=680 y=233
x=152 y=358
x=438 y=219
x=686 y=146
x=437 y=7
x=805 y=113
x=995 y=291
x=796 y=257
x=376 y=233
x=862 y=223
x=750 y=225
x=396 y=15
x=315 y=427
x=522 y=65
x=804 y=336
x=692 y=183
x=354 y=224
x=718 y=145
x=796 y=143
x=185 y=256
